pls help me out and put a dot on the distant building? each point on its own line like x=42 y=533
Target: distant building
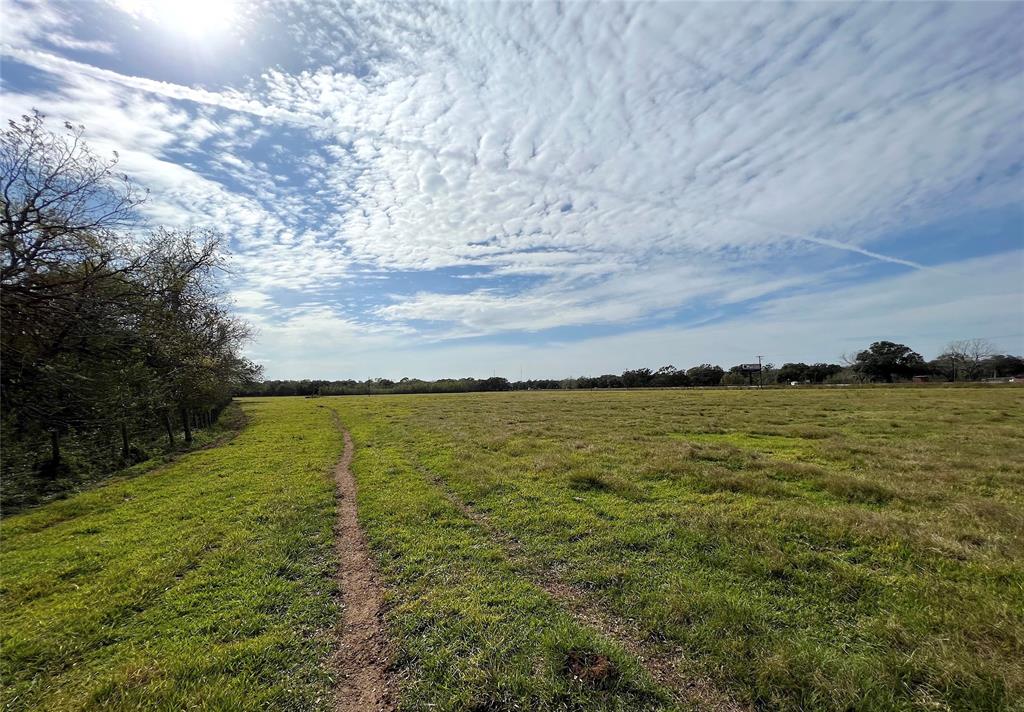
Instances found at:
x=922 y=379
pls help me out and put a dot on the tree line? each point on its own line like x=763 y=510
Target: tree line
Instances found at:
x=113 y=337
x=965 y=360
x=881 y=362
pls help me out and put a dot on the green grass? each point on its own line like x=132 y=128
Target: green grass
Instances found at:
x=472 y=632
x=817 y=549
x=202 y=584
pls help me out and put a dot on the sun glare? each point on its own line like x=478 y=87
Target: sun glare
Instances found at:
x=195 y=18
x=199 y=17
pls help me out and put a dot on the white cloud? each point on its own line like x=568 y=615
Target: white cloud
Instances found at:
x=620 y=114
x=152 y=135
x=315 y=339
x=921 y=309
x=628 y=296
x=251 y=299
x=597 y=164
x=30 y=22
x=230 y=99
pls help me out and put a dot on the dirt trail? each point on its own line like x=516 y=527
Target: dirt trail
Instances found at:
x=661 y=664
x=361 y=662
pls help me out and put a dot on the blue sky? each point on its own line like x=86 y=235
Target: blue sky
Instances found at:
x=458 y=189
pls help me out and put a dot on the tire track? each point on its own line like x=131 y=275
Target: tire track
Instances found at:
x=661 y=664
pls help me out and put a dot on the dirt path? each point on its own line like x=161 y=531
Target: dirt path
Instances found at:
x=661 y=664
x=361 y=662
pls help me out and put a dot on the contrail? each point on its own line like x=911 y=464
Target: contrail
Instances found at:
x=237 y=101
x=232 y=100
x=836 y=244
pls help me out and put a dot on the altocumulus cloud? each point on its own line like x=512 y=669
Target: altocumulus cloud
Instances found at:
x=420 y=188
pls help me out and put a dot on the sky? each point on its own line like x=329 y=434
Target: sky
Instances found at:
x=558 y=189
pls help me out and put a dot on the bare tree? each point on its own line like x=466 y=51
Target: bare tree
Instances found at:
x=59 y=201
x=969 y=356
x=850 y=363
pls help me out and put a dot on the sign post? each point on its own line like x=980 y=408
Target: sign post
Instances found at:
x=750 y=369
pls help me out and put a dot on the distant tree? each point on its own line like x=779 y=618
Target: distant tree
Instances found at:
x=539 y=384
x=735 y=378
x=608 y=380
x=967 y=357
x=821 y=372
x=495 y=383
x=845 y=375
x=705 y=375
x=944 y=366
x=801 y=372
x=637 y=378
x=1003 y=365
x=888 y=361
x=669 y=377
x=969 y=361
x=792 y=372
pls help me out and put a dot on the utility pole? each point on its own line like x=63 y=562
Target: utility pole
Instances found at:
x=760 y=373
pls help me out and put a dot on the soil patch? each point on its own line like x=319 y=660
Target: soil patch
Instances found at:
x=362 y=660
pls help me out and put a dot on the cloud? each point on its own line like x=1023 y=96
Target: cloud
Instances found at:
x=842 y=129
x=166 y=146
x=317 y=339
x=230 y=99
x=31 y=22
x=918 y=308
x=250 y=299
x=628 y=296
x=525 y=167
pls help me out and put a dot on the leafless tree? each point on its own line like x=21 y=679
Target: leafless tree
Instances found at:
x=969 y=355
x=59 y=202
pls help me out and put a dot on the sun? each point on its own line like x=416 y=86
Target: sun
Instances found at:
x=194 y=18
x=197 y=18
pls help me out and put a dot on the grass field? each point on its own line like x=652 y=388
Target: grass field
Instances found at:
x=824 y=549
x=204 y=584
x=785 y=549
